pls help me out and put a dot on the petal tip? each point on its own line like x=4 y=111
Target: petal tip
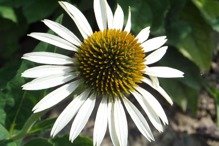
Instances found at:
x=35 y=111
x=38 y=109
x=45 y=21
x=61 y=3
x=181 y=74
x=165 y=47
x=23 y=74
x=171 y=103
x=53 y=133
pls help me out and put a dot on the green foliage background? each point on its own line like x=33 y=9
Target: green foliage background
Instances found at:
x=190 y=26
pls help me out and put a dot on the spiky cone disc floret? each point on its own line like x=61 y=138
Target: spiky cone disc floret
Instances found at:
x=111 y=62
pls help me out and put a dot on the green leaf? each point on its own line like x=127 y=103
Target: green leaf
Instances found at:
x=20 y=109
x=2 y=111
x=210 y=11
x=8 y=13
x=193 y=36
x=39 y=9
x=38 y=142
x=13 y=3
x=9 y=144
x=60 y=141
x=8 y=71
x=184 y=90
x=141 y=13
x=79 y=141
x=192 y=76
x=3 y=132
x=159 y=10
x=10 y=33
x=27 y=126
x=43 y=125
x=176 y=29
x=214 y=92
x=147 y=13
x=184 y=96
x=3 y=115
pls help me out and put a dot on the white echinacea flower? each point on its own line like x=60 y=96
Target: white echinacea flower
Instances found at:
x=109 y=64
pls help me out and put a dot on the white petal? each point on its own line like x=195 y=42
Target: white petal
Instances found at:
x=163 y=72
x=82 y=117
x=62 y=32
x=154 y=104
x=48 y=81
x=153 y=43
x=138 y=119
x=100 y=13
x=68 y=113
x=112 y=129
x=159 y=89
x=48 y=58
x=143 y=35
x=156 y=55
x=55 y=97
x=118 y=19
x=164 y=94
x=120 y=123
x=53 y=40
x=148 y=110
x=154 y=81
x=46 y=70
x=109 y=15
x=79 y=19
x=128 y=23
x=100 y=125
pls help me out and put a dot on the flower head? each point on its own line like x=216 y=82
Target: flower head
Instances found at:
x=109 y=65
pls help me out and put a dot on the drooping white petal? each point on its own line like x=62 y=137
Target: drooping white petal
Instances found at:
x=143 y=35
x=68 y=113
x=138 y=119
x=128 y=23
x=118 y=19
x=111 y=123
x=153 y=43
x=163 y=72
x=154 y=81
x=48 y=81
x=79 y=19
x=159 y=89
x=120 y=123
x=48 y=58
x=82 y=117
x=53 y=40
x=156 y=55
x=100 y=125
x=45 y=70
x=154 y=104
x=100 y=13
x=153 y=117
x=62 y=32
x=55 y=97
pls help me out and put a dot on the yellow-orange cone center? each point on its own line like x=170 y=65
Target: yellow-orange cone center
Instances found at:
x=111 y=63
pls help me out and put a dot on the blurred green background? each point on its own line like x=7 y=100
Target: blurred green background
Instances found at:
x=191 y=27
